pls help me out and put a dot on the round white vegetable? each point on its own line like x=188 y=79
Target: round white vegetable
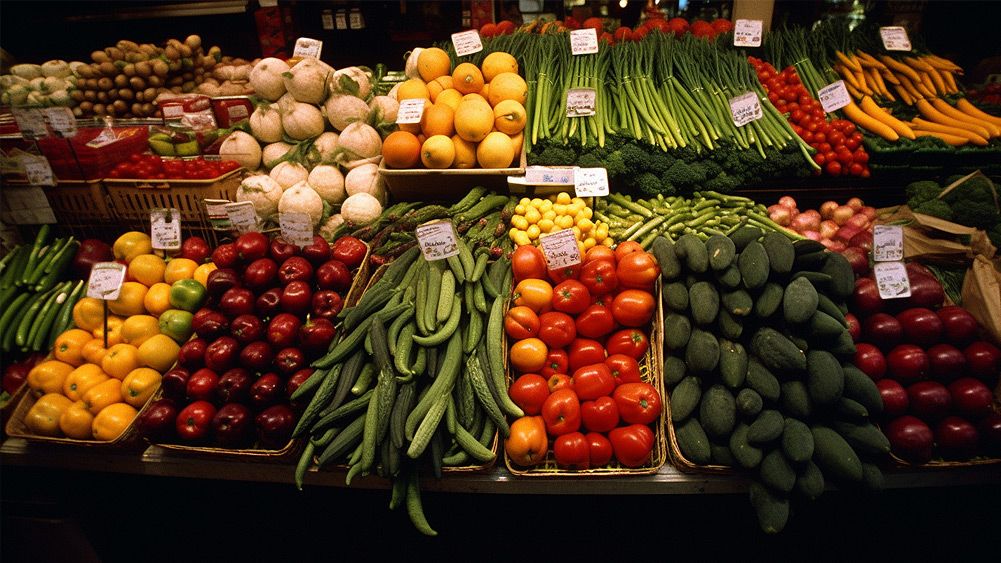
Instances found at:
x=386 y=107
x=287 y=174
x=303 y=199
x=302 y=121
x=273 y=152
x=266 y=123
x=261 y=190
x=343 y=110
x=243 y=148
x=359 y=141
x=328 y=182
x=307 y=80
x=266 y=78
x=326 y=144
x=352 y=81
x=361 y=209
x=365 y=179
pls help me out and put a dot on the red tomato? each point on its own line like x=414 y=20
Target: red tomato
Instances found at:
x=571 y=297
x=639 y=403
x=561 y=412
x=594 y=23
x=535 y=294
x=599 y=415
x=600 y=252
x=627 y=247
x=556 y=329
x=599 y=277
x=557 y=361
x=563 y=274
x=600 y=449
x=629 y=341
x=559 y=381
x=572 y=450
x=528 y=262
x=529 y=392
x=625 y=369
x=593 y=381
x=585 y=352
x=349 y=250
x=637 y=270
x=521 y=322
x=632 y=444
x=595 y=322
x=605 y=300
x=633 y=307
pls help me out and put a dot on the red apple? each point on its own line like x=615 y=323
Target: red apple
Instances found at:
x=247 y=328
x=956 y=438
x=202 y=385
x=237 y=301
x=232 y=426
x=318 y=252
x=910 y=438
x=266 y=391
x=921 y=326
x=234 y=386
x=195 y=248
x=192 y=354
x=883 y=330
x=870 y=360
x=946 y=362
x=971 y=397
x=222 y=354
x=316 y=335
x=895 y=401
x=908 y=362
x=261 y=274
x=929 y=399
x=289 y=361
x=283 y=330
x=297 y=297
x=256 y=356
x=295 y=268
x=251 y=246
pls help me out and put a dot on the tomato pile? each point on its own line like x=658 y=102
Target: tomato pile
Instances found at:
x=578 y=335
x=933 y=370
x=153 y=167
x=837 y=142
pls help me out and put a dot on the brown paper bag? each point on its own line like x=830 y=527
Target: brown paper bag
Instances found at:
x=982 y=295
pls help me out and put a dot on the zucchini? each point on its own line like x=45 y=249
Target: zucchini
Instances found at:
x=797 y=441
x=769 y=300
x=810 y=481
x=796 y=400
x=676 y=297
x=730 y=277
x=704 y=302
x=825 y=380
x=863 y=438
x=738 y=302
x=766 y=428
x=729 y=326
x=860 y=387
x=746 y=455
x=781 y=253
x=842 y=283
x=776 y=472
x=749 y=402
x=762 y=381
x=835 y=456
x=674 y=370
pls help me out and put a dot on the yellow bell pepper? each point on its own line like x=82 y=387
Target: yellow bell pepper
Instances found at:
x=43 y=417
x=103 y=394
x=112 y=421
x=139 y=385
x=76 y=422
x=88 y=313
x=80 y=380
x=49 y=376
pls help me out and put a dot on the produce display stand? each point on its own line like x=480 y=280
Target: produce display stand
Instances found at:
x=415 y=184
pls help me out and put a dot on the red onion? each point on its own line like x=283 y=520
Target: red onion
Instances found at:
x=842 y=214
x=827 y=208
x=855 y=203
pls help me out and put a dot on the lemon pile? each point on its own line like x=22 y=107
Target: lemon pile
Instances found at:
x=537 y=217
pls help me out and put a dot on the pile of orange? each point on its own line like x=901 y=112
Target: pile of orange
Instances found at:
x=473 y=116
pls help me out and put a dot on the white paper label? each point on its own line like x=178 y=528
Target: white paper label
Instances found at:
x=887 y=243
x=834 y=96
x=581 y=102
x=895 y=38
x=747 y=33
x=243 y=216
x=560 y=249
x=892 y=280
x=467 y=42
x=355 y=20
x=105 y=138
x=590 y=182
x=268 y=3
x=165 y=229
x=584 y=41
x=327 y=19
x=306 y=47
x=62 y=121
x=106 y=280
x=31 y=122
x=38 y=171
x=341 y=20
x=297 y=228
x=541 y=175
x=411 y=111
x=745 y=108
x=437 y=240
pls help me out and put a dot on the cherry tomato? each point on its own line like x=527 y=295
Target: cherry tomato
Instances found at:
x=557 y=361
x=529 y=391
x=535 y=294
x=527 y=261
x=855 y=169
x=625 y=369
x=561 y=412
x=528 y=355
x=595 y=322
x=583 y=352
x=629 y=341
x=521 y=322
x=556 y=329
x=599 y=415
x=572 y=450
x=600 y=449
x=860 y=156
x=571 y=296
x=633 y=307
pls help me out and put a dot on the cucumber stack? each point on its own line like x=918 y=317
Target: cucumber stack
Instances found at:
x=758 y=366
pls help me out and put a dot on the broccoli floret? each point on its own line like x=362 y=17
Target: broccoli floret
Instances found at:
x=995 y=235
x=922 y=191
x=650 y=184
x=712 y=169
x=978 y=215
x=634 y=157
x=936 y=208
x=553 y=154
x=723 y=183
x=683 y=175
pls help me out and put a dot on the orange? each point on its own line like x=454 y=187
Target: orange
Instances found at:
x=437 y=120
x=120 y=360
x=415 y=88
x=139 y=385
x=496 y=63
x=467 y=78
x=80 y=380
x=465 y=153
x=432 y=63
x=495 y=151
x=69 y=346
x=114 y=331
x=159 y=352
x=485 y=91
x=146 y=269
x=179 y=269
x=157 y=299
x=509 y=117
x=473 y=120
x=49 y=376
x=76 y=421
x=202 y=272
x=474 y=97
x=439 y=85
x=438 y=152
x=508 y=86
x=103 y=394
x=450 y=98
x=130 y=300
x=401 y=149
x=138 y=328
x=112 y=421
x=518 y=141
x=94 y=351
x=88 y=313
x=132 y=244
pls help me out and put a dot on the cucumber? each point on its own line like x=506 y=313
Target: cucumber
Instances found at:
x=746 y=455
x=799 y=302
x=749 y=402
x=771 y=508
x=446 y=331
x=676 y=297
x=732 y=363
x=863 y=438
x=860 y=387
x=850 y=410
x=693 y=250
x=677 y=331
x=818 y=279
x=328 y=384
x=693 y=442
x=738 y=302
x=434 y=276
x=796 y=399
x=834 y=456
x=674 y=370
x=494 y=367
x=776 y=472
x=825 y=305
x=721 y=251
x=781 y=252
x=445 y=297
x=766 y=428
x=702 y=352
x=777 y=352
x=824 y=326
x=844 y=345
x=810 y=481
x=825 y=380
x=685 y=398
x=663 y=250
x=797 y=441
x=704 y=303
x=762 y=381
x=729 y=326
x=721 y=455
x=842 y=283
x=807 y=246
x=718 y=412
x=730 y=277
x=753 y=265
x=769 y=300
x=744 y=236
x=872 y=477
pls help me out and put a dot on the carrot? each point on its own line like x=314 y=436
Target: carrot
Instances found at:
x=900 y=67
x=966 y=107
x=848 y=61
x=865 y=59
x=864 y=120
x=949 y=139
x=925 y=85
x=923 y=125
x=937 y=80
x=943 y=64
x=954 y=113
x=932 y=114
x=909 y=86
x=905 y=96
x=879 y=83
x=950 y=81
x=889 y=76
x=918 y=64
x=853 y=91
x=881 y=115
x=848 y=75
x=864 y=85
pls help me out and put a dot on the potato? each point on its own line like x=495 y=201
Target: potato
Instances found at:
x=149 y=94
x=90 y=96
x=193 y=41
x=86 y=107
x=105 y=84
x=155 y=81
x=185 y=51
x=172 y=53
x=126 y=94
x=115 y=53
x=109 y=69
x=121 y=81
x=144 y=69
x=102 y=97
x=77 y=96
x=90 y=83
x=100 y=57
x=99 y=109
x=120 y=106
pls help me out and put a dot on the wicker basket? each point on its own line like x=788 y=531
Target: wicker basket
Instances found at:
x=946 y=464
x=651 y=371
x=81 y=207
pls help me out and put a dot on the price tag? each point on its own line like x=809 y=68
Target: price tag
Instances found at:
x=584 y=41
x=590 y=182
x=560 y=249
x=887 y=243
x=747 y=33
x=895 y=38
x=834 y=96
x=31 y=122
x=467 y=42
x=341 y=19
x=581 y=102
x=106 y=280
x=355 y=21
x=892 y=280
x=268 y=3
x=327 y=19
x=38 y=171
x=411 y=111
x=306 y=47
x=437 y=240
x=165 y=229
x=62 y=121
x=297 y=228
x=745 y=108
x=543 y=175
x=243 y=216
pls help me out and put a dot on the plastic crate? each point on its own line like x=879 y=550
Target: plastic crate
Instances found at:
x=81 y=208
x=73 y=159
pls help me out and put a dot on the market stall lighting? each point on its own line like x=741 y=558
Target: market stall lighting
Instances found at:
x=622 y=3
x=170 y=10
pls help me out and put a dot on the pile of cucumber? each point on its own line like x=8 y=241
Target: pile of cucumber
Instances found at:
x=35 y=305
x=417 y=376
x=758 y=366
